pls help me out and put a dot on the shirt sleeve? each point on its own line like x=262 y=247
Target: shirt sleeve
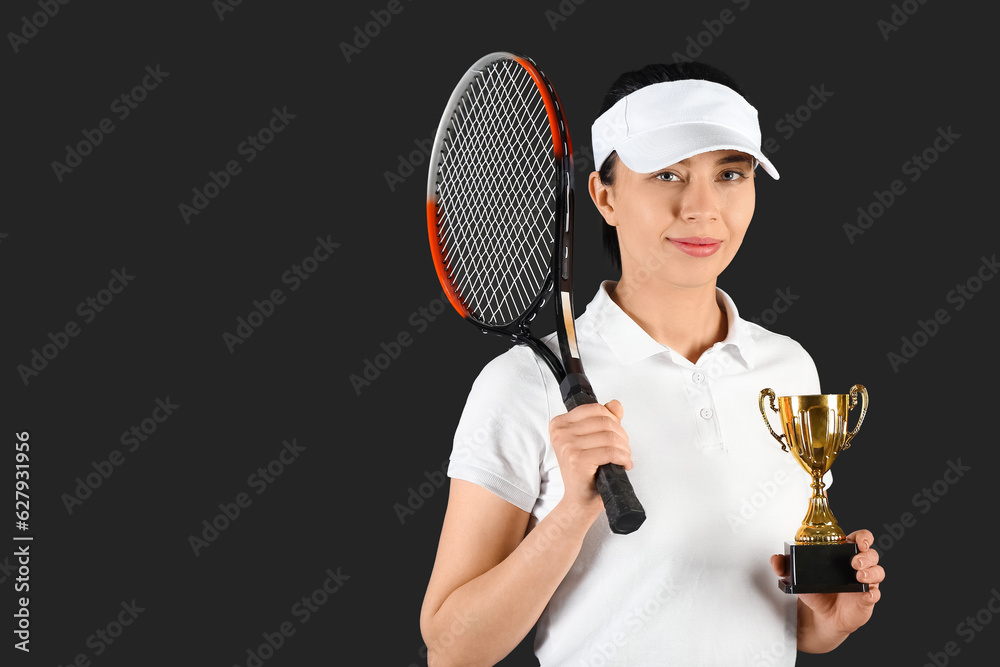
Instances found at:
x=502 y=436
x=807 y=377
x=811 y=385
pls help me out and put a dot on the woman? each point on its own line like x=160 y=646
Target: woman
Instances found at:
x=524 y=539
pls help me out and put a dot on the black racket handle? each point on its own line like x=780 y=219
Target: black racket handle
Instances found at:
x=625 y=512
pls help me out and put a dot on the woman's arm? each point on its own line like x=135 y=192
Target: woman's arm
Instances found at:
x=489 y=586
x=490 y=581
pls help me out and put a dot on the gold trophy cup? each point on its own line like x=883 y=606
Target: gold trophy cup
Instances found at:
x=815 y=432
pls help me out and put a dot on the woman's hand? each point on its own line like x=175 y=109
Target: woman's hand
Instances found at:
x=826 y=619
x=584 y=439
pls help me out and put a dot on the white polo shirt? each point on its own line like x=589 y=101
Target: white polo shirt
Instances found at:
x=693 y=585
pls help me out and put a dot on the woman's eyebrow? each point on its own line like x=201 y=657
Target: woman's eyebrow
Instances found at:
x=729 y=159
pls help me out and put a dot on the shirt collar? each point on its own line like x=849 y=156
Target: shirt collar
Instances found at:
x=630 y=343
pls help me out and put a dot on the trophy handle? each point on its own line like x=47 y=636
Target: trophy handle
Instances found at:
x=760 y=402
x=855 y=390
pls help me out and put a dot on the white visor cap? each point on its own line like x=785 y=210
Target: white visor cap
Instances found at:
x=664 y=123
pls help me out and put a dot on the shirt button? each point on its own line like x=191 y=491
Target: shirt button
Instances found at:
x=698 y=377
x=706 y=413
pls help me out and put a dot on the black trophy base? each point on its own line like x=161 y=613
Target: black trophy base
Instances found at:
x=821 y=568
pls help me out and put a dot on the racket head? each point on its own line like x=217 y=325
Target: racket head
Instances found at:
x=498 y=192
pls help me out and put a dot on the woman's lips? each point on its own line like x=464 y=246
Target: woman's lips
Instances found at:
x=697 y=246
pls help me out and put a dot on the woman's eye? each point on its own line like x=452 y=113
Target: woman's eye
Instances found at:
x=667 y=176
x=732 y=175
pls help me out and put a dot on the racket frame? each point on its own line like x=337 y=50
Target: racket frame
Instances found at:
x=560 y=269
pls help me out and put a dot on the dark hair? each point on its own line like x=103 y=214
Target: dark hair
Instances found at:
x=629 y=82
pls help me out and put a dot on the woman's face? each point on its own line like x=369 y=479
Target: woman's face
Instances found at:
x=682 y=224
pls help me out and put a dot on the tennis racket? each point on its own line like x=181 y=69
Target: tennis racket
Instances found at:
x=500 y=221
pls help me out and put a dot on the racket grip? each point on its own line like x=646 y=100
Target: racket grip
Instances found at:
x=625 y=512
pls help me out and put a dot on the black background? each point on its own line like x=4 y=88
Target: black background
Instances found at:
x=369 y=449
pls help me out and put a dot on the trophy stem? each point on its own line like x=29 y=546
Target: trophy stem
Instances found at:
x=819 y=525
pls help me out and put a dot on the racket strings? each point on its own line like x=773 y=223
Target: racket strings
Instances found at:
x=497 y=192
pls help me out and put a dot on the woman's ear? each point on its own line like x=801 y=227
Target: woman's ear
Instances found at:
x=602 y=197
